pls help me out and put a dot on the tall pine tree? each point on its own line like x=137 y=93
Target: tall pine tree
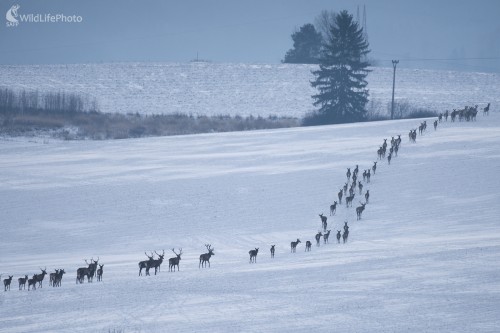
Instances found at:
x=343 y=68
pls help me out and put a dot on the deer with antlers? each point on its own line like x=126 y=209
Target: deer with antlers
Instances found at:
x=253 y=255
x=172 y=262
x=360 y=209
x=205 y=257
x=146 y=264
x=156 y=263
x=39 y=277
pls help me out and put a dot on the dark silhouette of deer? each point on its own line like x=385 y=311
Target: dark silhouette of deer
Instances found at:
x=348 y=200
x=318 y=238
x=22 y=282
x=326 y=236
x=389 y=158
x=367 y=195
x=100 y=270
x=308 y=246
x=486 y=110
x=340 y=194
x=205 y=257
x=39 y=277
x=359 y=210
x=6 y=282
x=52 y=277
x=348 y=173
x=83 y=272
x=32 y=282
x=172 y=262
x=346 y=227
x=293 y=245
x=146 y=264
x=435 y=124
x=156 y=263
x=253 y=255
x=333 y=208
x=323 y=221
x=345 y=236
x=58 y=278
x=93 y=266
x=360 y=186
x=272 y=251
x=338 y=236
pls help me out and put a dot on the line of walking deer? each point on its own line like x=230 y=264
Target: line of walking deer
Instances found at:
x=347 y=192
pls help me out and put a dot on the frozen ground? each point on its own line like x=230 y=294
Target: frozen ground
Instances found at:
x=244 y=89
x=424 y=258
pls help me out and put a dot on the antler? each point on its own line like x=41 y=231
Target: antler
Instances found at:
x=208 y=246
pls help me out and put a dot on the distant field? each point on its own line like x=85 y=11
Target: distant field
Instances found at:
x=240 y=89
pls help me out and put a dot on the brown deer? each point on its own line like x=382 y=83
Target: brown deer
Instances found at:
x=172 y=262
x=205 y=257
x=100 y=270
x=359 y=210
x=22 y=282
x=146 y=264
x=253 y=255
x=39 y=277
x=333 y=208
x=318 y=238
x=293 y=245
x=6 y=282
x=326 y=236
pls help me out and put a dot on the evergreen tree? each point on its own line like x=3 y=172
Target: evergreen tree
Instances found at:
x=342 y=72
x=306 y=46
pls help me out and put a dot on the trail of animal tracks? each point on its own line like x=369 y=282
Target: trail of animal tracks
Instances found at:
x=424 y=257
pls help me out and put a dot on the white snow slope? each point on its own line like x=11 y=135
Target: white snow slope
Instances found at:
x=424 y=257
x=241 y=89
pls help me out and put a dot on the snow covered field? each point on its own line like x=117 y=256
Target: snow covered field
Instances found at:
x=244 y=89
x=424 y=258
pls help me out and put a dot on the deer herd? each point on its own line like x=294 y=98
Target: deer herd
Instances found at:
x=347 y=192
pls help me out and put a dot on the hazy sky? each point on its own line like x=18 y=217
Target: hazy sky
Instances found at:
x=248 y=31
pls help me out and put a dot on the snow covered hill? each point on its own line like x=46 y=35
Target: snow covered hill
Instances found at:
x=424 y=257
x=244 y=89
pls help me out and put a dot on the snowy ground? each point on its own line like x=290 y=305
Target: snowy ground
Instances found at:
x=424 y=258
x=244 y=89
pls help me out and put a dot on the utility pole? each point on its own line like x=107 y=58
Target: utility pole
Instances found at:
x=394 y=64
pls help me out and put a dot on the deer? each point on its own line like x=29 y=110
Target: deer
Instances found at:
x=360 y=186
x=39 y=277
x=333 y=208
x=348 y=200
x=32 y=282
x=205 y=257
x=6 y=282
x=293 y=245
x=58 y=278
x=84 y=271
x=156 y=263
x=338 y=236
x=486 y=110
x=346 y=227
x=345 y=236
x=326 y=236
x=348 y=173
x=22 y=282
x=368 y=176
x=146 y=264
x=52 y=277
x=100 y=270
x=359 y=210
x=272 y=251
x=172 y=262
x=318 y=238
x=93 y=266
x=323 y=221
x=435 y=124
x=308 y=246
x=367 y=195
x=340 y=194
x=253 y=255
x=389 y=157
